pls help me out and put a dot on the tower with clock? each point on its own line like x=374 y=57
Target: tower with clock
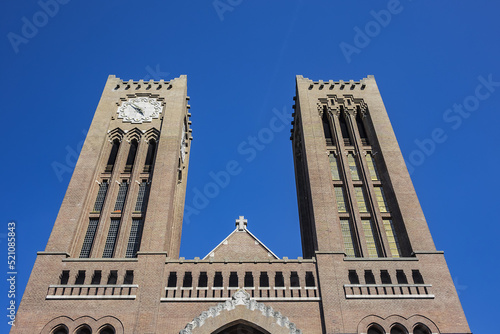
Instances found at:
x=112 y=265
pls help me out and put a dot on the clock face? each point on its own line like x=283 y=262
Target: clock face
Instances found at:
x=139 y=110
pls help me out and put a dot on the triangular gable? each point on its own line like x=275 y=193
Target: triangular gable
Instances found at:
x=241 y=245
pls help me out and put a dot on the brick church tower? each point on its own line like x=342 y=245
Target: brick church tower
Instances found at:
x=112 y=266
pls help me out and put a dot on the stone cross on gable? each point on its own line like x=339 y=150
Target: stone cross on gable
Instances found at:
x=241 y=223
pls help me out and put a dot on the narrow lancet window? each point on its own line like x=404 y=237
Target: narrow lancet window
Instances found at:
x=348 y=237
x=352 y=166
x=392 y=238
x=370 y=234
x=361 y=129
x=372 y=167
x=360 y=198
x=382 y=204
x=150 y=157
x=89 y=238
x=134 y=240
x=334 y=168
x=326 y=128
x=131 y=156
x=340 y=197
x=344 y=130
x=140 y=204
x=109 y=248
x=112 y=156
x=101 y=196
x=122 y=194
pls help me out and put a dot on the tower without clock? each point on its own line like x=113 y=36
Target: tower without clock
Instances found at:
x=112 y=262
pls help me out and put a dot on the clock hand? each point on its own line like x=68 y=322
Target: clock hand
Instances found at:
x=137 y=108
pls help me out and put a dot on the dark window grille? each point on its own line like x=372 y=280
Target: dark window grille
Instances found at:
x=139 y=204
x=109 y=248
x=122 y=194
x=101 y=196
x=89 y=238
x=134 y=241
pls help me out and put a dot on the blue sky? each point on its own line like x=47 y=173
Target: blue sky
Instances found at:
x=241 y=58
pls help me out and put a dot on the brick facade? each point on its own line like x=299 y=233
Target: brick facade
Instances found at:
x=241 y=286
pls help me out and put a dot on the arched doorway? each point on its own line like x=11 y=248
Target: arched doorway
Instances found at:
x=240 y=327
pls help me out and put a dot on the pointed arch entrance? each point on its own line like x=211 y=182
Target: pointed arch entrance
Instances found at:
x=240 y=327
x=240 y=314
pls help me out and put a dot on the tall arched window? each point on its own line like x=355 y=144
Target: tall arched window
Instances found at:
x=112 y=156
x=361 y=129
x=326 y=128
x=131 y=156
x=344 y=129
x=150 y=157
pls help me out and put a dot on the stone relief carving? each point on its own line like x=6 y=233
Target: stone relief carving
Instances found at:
x=241 y=297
